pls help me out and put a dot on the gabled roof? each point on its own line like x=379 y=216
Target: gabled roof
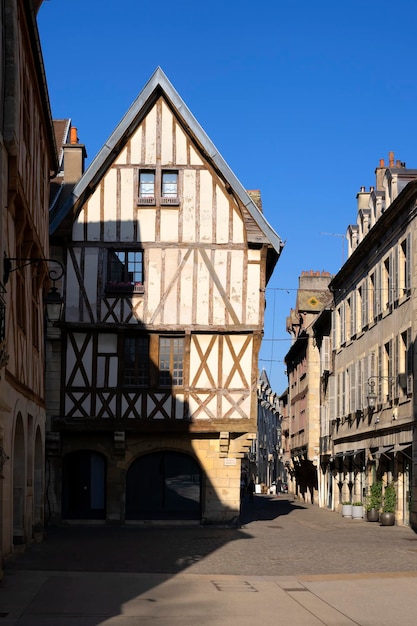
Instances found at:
x=61 y=131
x=158 y=84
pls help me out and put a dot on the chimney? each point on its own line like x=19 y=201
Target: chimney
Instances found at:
x=379 y=175
x=74 y=158
x=391 y=159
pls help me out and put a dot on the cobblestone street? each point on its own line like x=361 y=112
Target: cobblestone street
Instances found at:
x=278 y=536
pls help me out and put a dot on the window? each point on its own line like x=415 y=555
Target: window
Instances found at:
x=169 y=188
x=388 y=286
x=158 y=187
x=362 y=306
x=147 y=187
x=348 y=319
x=125 y=271
x=405 y=362
x=371 y=296
x=136 y=361
x=171 y=361
x=387 y=382
x=405 y=266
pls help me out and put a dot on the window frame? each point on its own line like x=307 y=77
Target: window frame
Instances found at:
x=137 y=375
x=166 y=197
x=162 y=195
x=173 y=375
x=125 y=285
x=146 y=198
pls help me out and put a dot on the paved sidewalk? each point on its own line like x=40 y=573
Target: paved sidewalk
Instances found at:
x=288 y=564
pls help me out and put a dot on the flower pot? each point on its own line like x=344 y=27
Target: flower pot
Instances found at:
x=346 y=510
x=357 y=512
x=372 y=515
x=387 y=519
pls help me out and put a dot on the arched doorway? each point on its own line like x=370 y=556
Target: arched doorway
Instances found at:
x=163 y=485
x=84 y=485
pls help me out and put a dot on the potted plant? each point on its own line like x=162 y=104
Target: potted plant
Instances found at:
x=347 y=509
x=388 y=505
x=374 y=501
x=357 y=510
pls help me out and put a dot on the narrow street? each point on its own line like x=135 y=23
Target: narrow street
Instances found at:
x=349 y=571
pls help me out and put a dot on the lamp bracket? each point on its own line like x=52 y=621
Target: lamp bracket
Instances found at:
x=54 y=273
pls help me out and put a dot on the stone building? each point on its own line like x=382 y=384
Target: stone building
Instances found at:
x=27 y=160
x=266 y=447
x=322 y=339
x=167 y=258
x=374 y=329
x=303 y=371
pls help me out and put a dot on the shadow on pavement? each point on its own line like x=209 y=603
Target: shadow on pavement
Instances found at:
x=266 y=507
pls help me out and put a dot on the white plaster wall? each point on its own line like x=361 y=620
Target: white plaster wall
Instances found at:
x=181 y=145
x=127 y=204
x=150 y=146
x=206 y=206
x=166 y=130
x=188 y=206
x=110 y=207
x=222 y=216
x=93 y=223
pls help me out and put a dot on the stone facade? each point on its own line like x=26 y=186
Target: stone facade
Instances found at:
x=27 y=158
x=374 y=329
x=303 y=370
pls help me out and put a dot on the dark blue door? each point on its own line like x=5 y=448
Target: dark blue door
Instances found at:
x=83 y=485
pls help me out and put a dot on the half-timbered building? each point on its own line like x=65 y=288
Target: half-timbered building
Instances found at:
x=27 y=158
x=167 y=259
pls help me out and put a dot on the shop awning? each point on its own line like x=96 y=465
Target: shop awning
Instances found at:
x=400 y=447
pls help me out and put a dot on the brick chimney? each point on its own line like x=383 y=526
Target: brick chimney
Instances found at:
x=74 y=158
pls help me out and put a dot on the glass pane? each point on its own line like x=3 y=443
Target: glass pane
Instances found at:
x=135 y=267
x=164 y=362
x=116 y=266
x=146 y=184
x=169 y=184
x=136 y=361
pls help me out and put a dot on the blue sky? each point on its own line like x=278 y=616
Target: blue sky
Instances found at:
x=301 y=98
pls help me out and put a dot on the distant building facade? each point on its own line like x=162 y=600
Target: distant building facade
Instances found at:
x=322 y=338
x=303 y=371
x=374 y=333
x=266 y=447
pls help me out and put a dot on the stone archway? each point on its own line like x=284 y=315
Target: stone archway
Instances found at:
x=164 y=485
